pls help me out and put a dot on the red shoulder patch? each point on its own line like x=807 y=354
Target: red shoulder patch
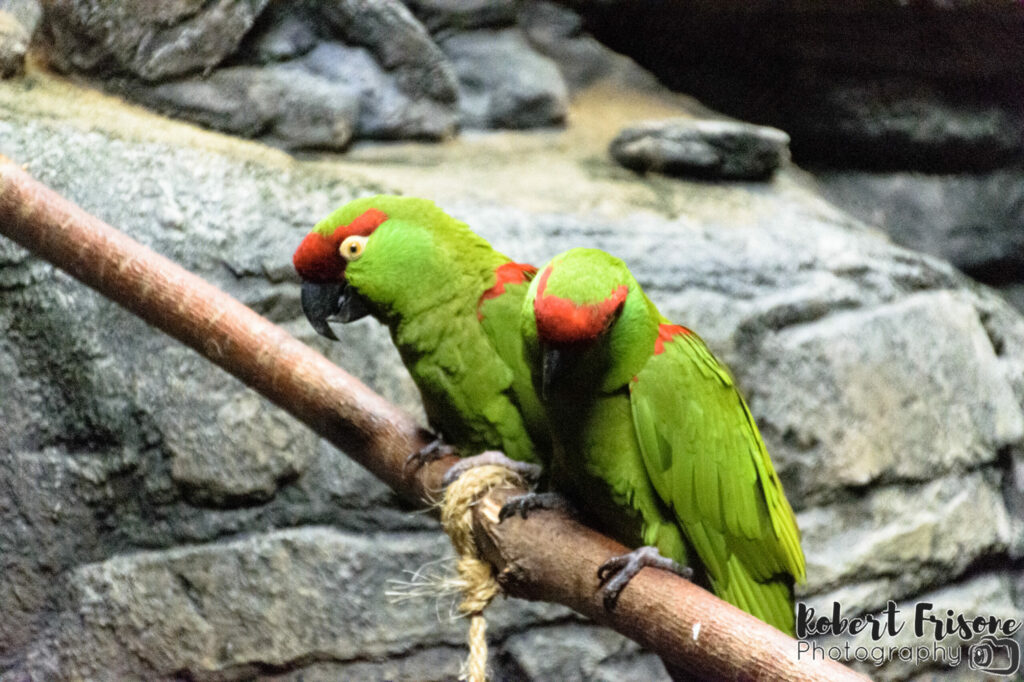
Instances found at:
x=665 y=333
x=507 y=273
x=561 y=320
x=317 y=258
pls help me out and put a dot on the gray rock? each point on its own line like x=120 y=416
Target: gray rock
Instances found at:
x=283 y=31
x=399 y=43
x=894 y=542
x=504 y=83
x=463 y=15
x=280 y=103
x=25 y=12
x=577 y=652
x=727 y=150
x=264 y=602
x=975 y=221
x=860 y=367
x=13 y=45
x=386 y=109
x=151 y=43
x=437 y=664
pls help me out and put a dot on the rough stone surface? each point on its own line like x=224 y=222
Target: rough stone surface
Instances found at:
x=301 y=75
x=727 y=150
x=898 y=538
x=298 y=591
x=159 y=521
x=975 y=221
x=503 y=82
x=399 y=42
x=578 y=652
x=152 y=43
x=463 y=15
x=13 y=45
x=280 y=103
x=386 y=110
x=906 y=357
x=281 y=32
x=25 y=12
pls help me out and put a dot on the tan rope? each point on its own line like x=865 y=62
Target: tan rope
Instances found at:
x=479 y=586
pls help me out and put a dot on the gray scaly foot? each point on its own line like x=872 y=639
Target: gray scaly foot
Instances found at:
x=529 y=472
x=522 y=505
x=619 y=570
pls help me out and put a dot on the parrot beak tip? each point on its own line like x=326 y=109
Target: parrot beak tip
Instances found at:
x=330 y=301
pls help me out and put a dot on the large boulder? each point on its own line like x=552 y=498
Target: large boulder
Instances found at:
x=158 y=520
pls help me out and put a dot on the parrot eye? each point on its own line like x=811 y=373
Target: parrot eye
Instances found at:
x=352 y=247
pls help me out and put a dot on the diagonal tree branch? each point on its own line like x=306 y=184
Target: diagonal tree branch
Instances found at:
x=546 y=557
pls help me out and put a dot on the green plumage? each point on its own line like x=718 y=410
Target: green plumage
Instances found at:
x=653 y=440
x=424 y=274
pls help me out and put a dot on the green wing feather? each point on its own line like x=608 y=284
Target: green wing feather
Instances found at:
x=706 y=460
x=468 y=389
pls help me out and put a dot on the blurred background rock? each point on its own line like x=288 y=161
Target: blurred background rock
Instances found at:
x=160 y=521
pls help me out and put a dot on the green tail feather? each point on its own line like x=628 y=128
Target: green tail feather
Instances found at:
x=770 y=601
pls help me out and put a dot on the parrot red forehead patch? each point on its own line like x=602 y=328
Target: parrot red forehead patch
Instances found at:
x=317 y=258
x=561 y=320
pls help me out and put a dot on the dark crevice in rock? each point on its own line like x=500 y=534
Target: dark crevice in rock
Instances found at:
x=995 y=335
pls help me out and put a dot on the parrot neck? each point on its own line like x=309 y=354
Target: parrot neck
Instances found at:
x=414 y=321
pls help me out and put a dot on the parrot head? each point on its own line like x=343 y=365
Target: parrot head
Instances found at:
x=380 y=255
x=585 y=323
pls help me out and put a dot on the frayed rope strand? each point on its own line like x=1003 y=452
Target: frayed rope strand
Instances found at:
x=477 y=576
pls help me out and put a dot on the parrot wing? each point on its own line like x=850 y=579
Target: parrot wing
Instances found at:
x=706 y=460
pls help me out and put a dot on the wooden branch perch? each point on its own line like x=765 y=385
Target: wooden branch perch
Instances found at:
x=546 y=557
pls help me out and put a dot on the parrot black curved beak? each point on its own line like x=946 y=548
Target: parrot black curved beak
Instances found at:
x=331 y=301
x=552 y=366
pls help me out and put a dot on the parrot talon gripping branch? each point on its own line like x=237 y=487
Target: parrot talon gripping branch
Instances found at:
x=431 y=452
x=616 y=573
x=530 y=473
x=522 y=505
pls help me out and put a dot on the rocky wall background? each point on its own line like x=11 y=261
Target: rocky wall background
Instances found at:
x=160 y=521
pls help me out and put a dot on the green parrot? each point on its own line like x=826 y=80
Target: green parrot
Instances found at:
x=452 y=304
x=652 y=440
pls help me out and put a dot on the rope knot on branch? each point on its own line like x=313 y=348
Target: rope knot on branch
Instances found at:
x=476 y=575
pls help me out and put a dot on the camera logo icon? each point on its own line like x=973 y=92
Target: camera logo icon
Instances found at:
x=988 y=655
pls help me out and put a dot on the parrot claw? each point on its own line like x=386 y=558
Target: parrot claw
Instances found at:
x=616 y=573
x=529 y=472
x=522 y=505
x=431 y=452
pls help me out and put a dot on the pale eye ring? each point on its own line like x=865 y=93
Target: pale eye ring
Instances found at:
x=352 y=247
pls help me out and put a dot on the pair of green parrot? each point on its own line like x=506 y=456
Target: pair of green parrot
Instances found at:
x=570 y=366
